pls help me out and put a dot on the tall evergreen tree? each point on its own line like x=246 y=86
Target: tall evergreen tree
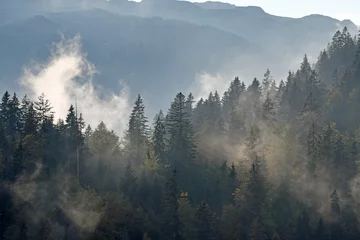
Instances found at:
x=171 y=226
x=159 y=137
x=30 y=121
x=43 y=108
x=137 y=133
x=205 y=223
x=181 y=143
x=303 y=230
x=128 y=184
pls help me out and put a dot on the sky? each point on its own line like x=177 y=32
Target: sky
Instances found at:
x=345 y=9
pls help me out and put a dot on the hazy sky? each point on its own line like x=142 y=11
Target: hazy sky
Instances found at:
x=345 y=9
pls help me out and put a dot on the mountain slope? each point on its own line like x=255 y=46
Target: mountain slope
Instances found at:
x=147 y=53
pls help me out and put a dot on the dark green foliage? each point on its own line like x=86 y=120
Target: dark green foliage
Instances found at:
x=171 y=206
x=289 y=143
x=137 y=133
x=302 y=230
x=206 y=222
x=129 y=184
x=159 y=137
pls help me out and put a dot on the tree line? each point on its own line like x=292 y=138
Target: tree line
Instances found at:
x=271 y=160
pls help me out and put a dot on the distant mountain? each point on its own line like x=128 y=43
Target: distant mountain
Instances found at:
x=215 y=5
x=161 y=44
x=285 y=39
x=148 y=53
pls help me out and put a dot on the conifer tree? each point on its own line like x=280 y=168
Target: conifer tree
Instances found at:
x=171 y=226
x=257 y=232
x=30 y=121
x=18 y=164
x=205 y=223
x=181 y=143
x=14 y=116
x=303 y=230
x=336 y=231
x=268 y=109
x=159 y=136
x=189 y=105
x=4 y=109
x=320 y=233
x=232 y=182
x=128 y=184
x=43 y=108
x=137 y=133
x=255 y=189
x=267 y=81
x=312 y=151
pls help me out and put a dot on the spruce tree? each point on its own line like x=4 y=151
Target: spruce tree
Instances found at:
x=181 y=150
x=159 y=137
x=128 y=183
x=268 y=109
x=18 y=163
x=266 y=82
x=205 y=223
x=336 y=231
x=257 y=231
x=171 y=225
x=30 y=121
x=4 y=109
x=312 y=151
x=255 y=190
x=137 y=133
x=43 y=108
x=14 y=116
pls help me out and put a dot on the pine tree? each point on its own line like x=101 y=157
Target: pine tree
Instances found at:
x=181 y=143
x=257 y=232
x=171 y=226
x=18 y=162
x=128 y=184
x=255 y=189
x=31 y=123
x=340 y=157
x=159 y=136
x=266 y=82
x=303 y=230
x=205 y=222
x=14 y=116
x=320 y=233
x=254 y=92
x=236 y=127
x=231 y=97
x=43 y=108
x=4 y=109
x=71 y=140
x=268 y=109
x=335 y=225
x=251 y=141
x=309 y=115
x=137 y=133
x=312 y=151
x=189 y=105
x=328 y=142
x=232 y=183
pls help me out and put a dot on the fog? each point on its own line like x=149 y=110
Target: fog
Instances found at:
x=66 y=79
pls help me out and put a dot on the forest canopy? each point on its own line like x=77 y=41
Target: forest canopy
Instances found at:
x=271 y=160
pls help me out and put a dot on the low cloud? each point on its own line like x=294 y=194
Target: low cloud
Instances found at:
x=66 y=78
x=205 y=83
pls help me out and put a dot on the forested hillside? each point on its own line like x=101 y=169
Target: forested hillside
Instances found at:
x=271 y=160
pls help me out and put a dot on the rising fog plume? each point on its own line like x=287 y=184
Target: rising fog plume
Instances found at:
x=205 y=83
x=66 y=78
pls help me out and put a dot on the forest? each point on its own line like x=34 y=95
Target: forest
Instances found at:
x=272 y=160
